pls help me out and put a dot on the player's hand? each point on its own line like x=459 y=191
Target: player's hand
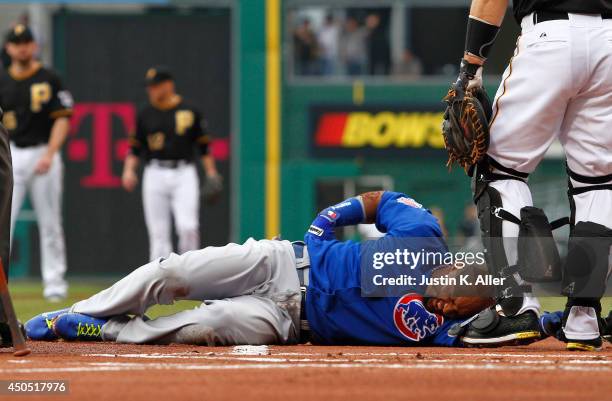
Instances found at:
x=44 y=164
x=129 y=180
x=470 y=77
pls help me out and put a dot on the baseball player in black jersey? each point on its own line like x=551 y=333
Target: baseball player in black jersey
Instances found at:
x=36 y=114
x=167 y=131
x=558 y=85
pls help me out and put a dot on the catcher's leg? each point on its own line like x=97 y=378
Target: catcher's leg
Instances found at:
x=520 y=136
x=587 y=141
x=239 y=320
x=515 y=318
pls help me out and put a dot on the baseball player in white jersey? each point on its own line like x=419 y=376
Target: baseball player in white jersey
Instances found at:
x=36 y=113
x=168 y=130
x=558 y=85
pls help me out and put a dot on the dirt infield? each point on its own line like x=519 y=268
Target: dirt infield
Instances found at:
x=100 y=371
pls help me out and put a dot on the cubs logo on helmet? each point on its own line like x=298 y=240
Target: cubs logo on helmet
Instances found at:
x=413 y=320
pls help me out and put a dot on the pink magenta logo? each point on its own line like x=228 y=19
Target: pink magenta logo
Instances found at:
x=98 y=136
x=413 y=320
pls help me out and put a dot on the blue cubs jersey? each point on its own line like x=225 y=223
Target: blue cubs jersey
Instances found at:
x=336 y=308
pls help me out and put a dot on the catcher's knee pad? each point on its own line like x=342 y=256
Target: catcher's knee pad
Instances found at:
x=538 y=257
x=587 y=184
x=586 y=268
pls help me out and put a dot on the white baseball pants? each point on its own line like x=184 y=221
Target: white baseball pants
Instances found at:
x=46 y=195
x=558 y=85
x=171 y=192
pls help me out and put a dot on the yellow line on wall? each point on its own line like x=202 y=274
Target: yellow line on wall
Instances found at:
x=273 y=104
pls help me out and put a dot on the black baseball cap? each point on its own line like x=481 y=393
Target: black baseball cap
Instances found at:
x=20 y=34
x=158 y=74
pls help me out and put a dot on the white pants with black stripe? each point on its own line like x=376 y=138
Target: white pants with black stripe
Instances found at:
x=169 y=193
x=250 y=293
x=558 y=85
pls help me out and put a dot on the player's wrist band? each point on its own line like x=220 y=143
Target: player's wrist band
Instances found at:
x=468 y=69
x=480 y=37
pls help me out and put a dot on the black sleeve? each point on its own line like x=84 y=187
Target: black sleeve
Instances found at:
x=137 y=140
x=61 y=102
x=200 y=132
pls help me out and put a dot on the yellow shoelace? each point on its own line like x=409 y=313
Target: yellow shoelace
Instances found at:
x=89 y=330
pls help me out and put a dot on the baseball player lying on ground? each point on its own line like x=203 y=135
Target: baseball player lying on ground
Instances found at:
x=253 y=293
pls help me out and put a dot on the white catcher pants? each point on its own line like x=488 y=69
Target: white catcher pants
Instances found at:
x=250 y=293
x=46 y=196
x=558 y=85
x=166 y=193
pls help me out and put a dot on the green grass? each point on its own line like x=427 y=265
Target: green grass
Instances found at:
x=29 y=302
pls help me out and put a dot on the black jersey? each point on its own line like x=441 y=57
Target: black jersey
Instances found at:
x=169 y=133
x=524 y=7
x=31 y=103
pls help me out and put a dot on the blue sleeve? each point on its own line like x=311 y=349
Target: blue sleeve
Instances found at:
x=398 y=215
x=346 y=213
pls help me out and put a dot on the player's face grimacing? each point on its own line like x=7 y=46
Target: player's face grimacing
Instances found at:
x=22 y=52
x=160 y=92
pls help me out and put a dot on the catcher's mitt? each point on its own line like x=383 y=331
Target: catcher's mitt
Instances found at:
x=212 y=189
x=466 y=125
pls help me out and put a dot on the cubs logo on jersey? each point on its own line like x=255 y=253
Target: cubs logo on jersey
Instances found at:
x=413 y=320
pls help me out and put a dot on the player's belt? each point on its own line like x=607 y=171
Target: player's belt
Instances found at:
x=543 y=16
x=302 y=266
x=169 y=163
x=302 y=262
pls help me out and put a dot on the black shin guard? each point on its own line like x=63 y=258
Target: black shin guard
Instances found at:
x=586 y=268
x=488 y=202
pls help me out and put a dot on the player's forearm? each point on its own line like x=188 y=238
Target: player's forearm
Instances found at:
x=59 y=133
x=131 y=164
x=370 y=201
x=209 y=165
x=490 y=11
x=485 y=18
x=359 y=209
x=356 y=210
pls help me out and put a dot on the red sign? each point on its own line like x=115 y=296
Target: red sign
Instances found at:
x=103 y=147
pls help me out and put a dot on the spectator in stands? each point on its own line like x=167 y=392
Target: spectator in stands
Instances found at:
x=378 y=46
x=409 y=66
x=328 y=41
x=306 y=49
x=353 y=47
